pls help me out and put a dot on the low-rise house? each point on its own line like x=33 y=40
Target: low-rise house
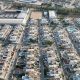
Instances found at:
x=17 y=34
x=7 y=58
x=32 y=64
x=68 y=53
x=5 y=31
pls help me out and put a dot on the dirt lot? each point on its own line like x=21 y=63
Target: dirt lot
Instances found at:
x=36 y=15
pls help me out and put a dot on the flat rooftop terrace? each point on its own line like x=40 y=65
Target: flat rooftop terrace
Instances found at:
x=11 y=21
x=12 y=14
x=37 y=2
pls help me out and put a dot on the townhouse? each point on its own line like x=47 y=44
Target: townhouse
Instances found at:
x=33 y=64
x=17 y=34
x=7 y=59
x=33 y=31
x=51 y=61
x=68 y=53
x=5 y=31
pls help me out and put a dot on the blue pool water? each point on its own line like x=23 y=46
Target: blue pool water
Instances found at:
x=71 y=29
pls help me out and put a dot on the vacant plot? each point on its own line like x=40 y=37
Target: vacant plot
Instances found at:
x=36 y=15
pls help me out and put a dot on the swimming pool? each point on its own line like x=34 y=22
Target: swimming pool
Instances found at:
x=71 y=29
